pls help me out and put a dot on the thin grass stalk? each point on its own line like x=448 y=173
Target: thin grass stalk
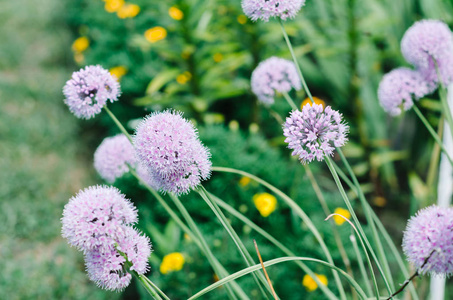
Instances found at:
x=269 y=263
x=296 y=208
x=289 y=100
x=274 y=241
x=362 y=269
x=369 y=218
x=118 y=123
x=385 y=234
x=242 y=249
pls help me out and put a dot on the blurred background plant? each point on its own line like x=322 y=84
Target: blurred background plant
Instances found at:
x=197 y=56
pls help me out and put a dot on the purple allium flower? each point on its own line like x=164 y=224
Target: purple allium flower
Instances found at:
x=108 y=268
x=398 y=87
x=168 y=145
x=148 y=177
x=311 y=131
x=265 y=9
x=274 y=74
x=112 y=156
x=430 y=234
x=88 y=91
x=425 y=40
x=96 y=216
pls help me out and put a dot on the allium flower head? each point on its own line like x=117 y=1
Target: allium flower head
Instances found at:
x=148 y=177
x=398 y=88
x=274 y=75
x=265 y=9
x=425 y=40
x=95 y=218
x=88 y=91
x=430 y=232
x=311 y=132
x=112 y=157
x=168 y=145
x=108 y=268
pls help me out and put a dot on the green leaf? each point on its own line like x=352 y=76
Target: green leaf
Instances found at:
x=160 y=80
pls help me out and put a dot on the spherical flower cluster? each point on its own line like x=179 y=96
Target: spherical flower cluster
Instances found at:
x=148 y=177
x=274 y=75
x=88 y=91
x=112 y=157
x=265 y=9
x=398 y=88
x=427 y=40
x=108 y=268
x=428 y=241
x=311 y=131
x=96 y=216
x=169 y=147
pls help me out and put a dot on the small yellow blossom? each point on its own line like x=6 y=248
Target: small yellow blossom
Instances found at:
x=244 y=181
x=128 y=10
x=175 y=13
x=80 y=44
x=310 y=284
x=118 y=71
x=308 y=101
x=218 y=57
x=155 y=34
x=265 y=203
x=112 y=6
x=242 y=19
x=341 y=211
x=172 y=262
x=184 y=77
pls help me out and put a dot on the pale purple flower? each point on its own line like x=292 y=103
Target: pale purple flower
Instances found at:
x=265 y=9
x=424 y=41
x=312 y=131
x=96 y=217
x=88 y=91
x=274 y=75
x=148 y=177
x=168 y=145
x=109 y=269
x=112 y=157
x=399 y=87
x=429 y=237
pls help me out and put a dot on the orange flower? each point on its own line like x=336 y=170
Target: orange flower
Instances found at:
x=316 y=99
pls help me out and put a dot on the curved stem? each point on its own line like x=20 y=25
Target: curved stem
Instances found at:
x=361 y=265
x=155 y=287
x=118 y=123
x=290 y=101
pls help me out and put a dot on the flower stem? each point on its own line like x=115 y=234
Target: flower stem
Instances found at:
x=155 y=287
x=288 y=42
x=118 y=123
x=149 y=288
x=289 y=100
x=361 y=265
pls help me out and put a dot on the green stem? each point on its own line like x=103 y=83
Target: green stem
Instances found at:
x=296 y=208
x=361 y=265
x=276 y=261
x=299 y=70
x=155 y=287
x=369 y=218
x=443 y=97
x=242 y=249
x=118 y=123
x=433 y=132
x=290 y=101
x=274 y=241
x=356 y=221
x=148 y=287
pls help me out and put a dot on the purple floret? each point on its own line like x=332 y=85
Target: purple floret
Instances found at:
x=88 y=91
x=265 y=9
x=96 y=217
x=399 y=87
x=168 y=146
x=274 y=75
x=312 y=131
x=429 y=235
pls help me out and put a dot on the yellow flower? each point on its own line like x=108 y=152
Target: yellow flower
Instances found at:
x=118 y=71
x=113 y=5
x=184 y=77
x=242 y=19
x=128 y=11
x=155 y=34
x=175 y=13
x=80 y=44
x=308 y=101
x=172 y=262
x=310 y=284
x=265 y=203
x=341 y=211
x=218 y=57
x=244 y=181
